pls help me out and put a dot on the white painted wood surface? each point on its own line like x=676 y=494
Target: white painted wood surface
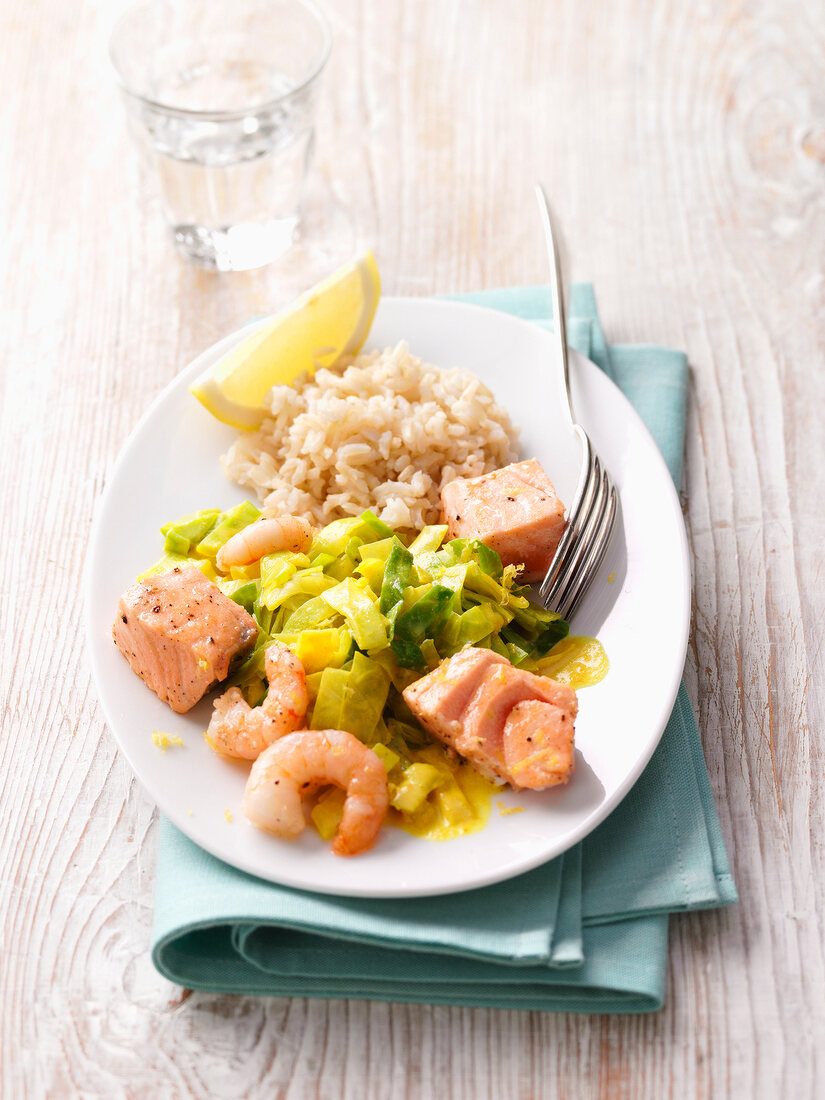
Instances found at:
x=684 y=144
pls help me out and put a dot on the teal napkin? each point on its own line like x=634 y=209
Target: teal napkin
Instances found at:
x=587 y=932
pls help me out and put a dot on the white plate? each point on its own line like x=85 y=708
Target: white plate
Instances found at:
x=638 y=606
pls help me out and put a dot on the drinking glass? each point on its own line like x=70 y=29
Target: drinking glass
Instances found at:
x=222 y=95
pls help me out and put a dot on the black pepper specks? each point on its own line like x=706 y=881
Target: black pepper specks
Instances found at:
x=124 y=619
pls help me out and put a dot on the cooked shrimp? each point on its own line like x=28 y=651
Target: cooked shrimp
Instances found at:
x=238 y=730
x=265 y=536
x=300 y=763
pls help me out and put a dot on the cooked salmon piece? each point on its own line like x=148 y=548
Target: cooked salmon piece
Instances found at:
x=440 y=699
x=538 y=742
x=180 y=634
x=514 y=511
x=482 y=737
x=512 y=724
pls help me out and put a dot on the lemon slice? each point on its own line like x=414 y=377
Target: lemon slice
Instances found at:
x=331 y=320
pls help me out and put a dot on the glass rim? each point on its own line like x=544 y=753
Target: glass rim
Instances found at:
x=217 y=115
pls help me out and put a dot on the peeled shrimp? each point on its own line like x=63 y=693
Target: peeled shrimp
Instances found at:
x=238 y=730
x=265 y=536
x=299 y=763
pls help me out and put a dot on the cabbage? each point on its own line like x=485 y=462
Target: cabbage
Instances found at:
x=367 y=612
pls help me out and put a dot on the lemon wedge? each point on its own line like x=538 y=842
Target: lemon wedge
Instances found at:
x=329 y=321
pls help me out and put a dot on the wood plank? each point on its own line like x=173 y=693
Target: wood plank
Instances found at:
x=685 y=150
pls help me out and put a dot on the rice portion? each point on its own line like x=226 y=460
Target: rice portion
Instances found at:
x=384 y=431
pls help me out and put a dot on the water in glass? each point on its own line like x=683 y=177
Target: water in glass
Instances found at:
x=232 y=188
x=223 y=98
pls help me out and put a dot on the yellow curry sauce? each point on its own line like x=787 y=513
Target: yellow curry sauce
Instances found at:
x=578 y=662
x=444 y=815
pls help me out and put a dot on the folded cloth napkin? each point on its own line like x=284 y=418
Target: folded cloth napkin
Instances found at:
x=587 y=932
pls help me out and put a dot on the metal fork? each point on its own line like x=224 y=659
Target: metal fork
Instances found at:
x=591 y=518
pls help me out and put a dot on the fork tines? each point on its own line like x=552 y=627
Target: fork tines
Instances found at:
x=585 y=539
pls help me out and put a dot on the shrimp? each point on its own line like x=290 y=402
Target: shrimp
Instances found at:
x=265 y=536
x=303 y=761
x=238 y=730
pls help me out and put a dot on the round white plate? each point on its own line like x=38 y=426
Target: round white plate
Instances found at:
x=638 y=606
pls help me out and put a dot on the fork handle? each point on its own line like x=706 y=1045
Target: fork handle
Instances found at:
x=557 y=294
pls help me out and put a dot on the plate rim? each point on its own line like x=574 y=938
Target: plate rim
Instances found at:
x=178 y=817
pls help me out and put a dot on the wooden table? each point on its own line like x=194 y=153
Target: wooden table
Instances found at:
x=684 y=145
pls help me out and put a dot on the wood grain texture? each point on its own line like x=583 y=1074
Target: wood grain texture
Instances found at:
x=684 y=145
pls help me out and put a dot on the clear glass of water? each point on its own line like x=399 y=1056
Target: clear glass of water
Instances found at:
x=222 y=95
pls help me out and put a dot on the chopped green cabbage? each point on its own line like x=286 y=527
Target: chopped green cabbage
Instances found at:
x=227 y=525
x=367 y=612
x=356 y=602
x=396 y=576
x=188 y=531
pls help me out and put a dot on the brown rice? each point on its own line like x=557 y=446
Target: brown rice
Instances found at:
x=385 y=432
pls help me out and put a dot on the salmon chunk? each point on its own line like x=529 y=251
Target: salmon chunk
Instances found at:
x=514 y=511
x=511 y=724
x=440 y=699
x=538 y=743
x=180 y=634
